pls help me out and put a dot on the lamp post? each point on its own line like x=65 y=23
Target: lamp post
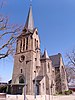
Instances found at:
x=35 y=86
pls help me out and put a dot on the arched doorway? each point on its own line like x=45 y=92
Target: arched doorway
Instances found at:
x=21 y=84
x=21 y=79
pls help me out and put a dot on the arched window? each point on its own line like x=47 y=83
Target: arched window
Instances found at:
x=21 y=70
x=35 y=43
x=43 y=85
x=23 y=44
x=20 y=45
x=21 y=79
x=48 y=67
x=27 y=43
x=63 y=71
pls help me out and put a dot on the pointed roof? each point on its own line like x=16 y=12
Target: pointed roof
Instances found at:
x=29 y=22
x=45 y=54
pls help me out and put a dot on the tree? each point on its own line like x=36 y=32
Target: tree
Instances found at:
x=8 y=36
x=70 y=69
x=70 y=72
x=71 y=58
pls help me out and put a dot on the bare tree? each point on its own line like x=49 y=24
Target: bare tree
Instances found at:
x=71 y=58
x=8 y=36
x=70 y=69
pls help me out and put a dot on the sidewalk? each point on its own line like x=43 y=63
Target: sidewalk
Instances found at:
x=44 y=97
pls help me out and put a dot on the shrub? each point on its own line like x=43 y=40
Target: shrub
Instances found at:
x=68 y=92
x=3 y=89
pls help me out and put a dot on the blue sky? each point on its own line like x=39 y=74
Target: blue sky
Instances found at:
x=55 y=20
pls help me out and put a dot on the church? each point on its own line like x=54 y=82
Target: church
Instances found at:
x=39 y=73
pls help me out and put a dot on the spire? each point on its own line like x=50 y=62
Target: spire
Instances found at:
x=29 y=22
x=45 y=54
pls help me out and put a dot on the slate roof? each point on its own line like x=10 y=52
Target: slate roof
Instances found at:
x=29 y=22
x=55 y=60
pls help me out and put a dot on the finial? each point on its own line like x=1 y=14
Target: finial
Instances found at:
x=30 y=2
x=46 y=54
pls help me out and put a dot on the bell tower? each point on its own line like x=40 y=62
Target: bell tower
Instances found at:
x=27 y=57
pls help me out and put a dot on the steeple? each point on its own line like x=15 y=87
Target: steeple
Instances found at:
x=29 y=22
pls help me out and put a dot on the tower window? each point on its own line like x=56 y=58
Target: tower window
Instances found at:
x=20 y=45
x=23 y=44
x=35 y=59
x=43 y=85
x=27 y=43
x=21 y=70
x=48 y=67
x=36 y=32
x=35 y=43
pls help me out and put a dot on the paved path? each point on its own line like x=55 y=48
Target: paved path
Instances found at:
x=65 y=97
x=2 y=98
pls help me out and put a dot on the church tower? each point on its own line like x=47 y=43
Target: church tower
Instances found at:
x=25 y=61
x=40 y=74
